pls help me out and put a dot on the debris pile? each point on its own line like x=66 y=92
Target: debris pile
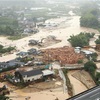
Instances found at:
x=65 y=55
x=44 y=42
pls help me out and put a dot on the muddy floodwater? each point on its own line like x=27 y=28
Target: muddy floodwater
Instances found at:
x=68 y=26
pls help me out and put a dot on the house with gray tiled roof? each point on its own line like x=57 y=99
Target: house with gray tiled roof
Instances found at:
x=28 y=76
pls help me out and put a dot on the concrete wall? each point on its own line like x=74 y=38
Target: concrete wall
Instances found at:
x=32 y=78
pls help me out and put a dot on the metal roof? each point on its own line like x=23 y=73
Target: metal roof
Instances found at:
x=47 y=72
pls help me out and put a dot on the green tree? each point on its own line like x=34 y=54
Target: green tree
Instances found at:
x=90 y=66
x=1 y=46
x=3 y=97
x=89 y=15
x=81 y=39
x=98 y=78
x=98 y=40
x=89 y=20
x=9 y=30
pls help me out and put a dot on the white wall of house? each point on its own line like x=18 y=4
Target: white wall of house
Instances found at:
x=32 y=78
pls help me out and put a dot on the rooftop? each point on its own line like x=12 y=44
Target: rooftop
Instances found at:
x=31 y=72
x=47 y=72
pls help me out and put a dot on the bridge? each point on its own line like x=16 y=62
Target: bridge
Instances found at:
x=73 y=66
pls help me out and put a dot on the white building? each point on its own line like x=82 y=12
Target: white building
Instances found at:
x=28 y=76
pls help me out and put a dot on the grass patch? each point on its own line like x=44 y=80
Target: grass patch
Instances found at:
x=16 y=37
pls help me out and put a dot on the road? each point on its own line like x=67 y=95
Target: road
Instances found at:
x=73 y=66
x=64 y=80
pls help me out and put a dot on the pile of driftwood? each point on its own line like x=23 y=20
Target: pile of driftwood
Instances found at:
x=65 y=55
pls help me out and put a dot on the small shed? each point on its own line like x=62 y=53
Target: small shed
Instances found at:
x=77 y=49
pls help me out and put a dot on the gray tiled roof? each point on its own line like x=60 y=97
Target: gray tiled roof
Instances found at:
x=31 y=73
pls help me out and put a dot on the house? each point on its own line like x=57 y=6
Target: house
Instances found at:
x=33 y=42
x=14 y=62
x=77 y=49
x=3 y=65
x=47 y=73
x=50 y=25
x=40 y=19
x=39 y=52
x=28 y=76
x=32 y=51
x=30 y=30
x=22 y=54
x=87 y=52
x=10 y=63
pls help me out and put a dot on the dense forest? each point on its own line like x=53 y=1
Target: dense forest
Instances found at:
x=90 y=15
x=8 y=25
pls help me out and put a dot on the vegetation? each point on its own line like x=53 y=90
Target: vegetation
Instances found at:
x=4 y=50
x=16 y=37
x=81 y=39
x=8 y=26
x=98 y=40
x=90 y=66
x=89 y=17
x=89 y=20
x=3 y=97
x=80 y=61
x=6 y=21
x=9 y=68
x=94 y=56
x=98 y=77
x=69 y=86
x=26 y=59
x=97 y=44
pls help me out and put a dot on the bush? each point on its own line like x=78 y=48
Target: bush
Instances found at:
x=98 y=78
x=70 y=92
x=81 y=39
x=90 y=66
x=98 y=40
x=4 y=50
x=3 y=97
x=80 y=61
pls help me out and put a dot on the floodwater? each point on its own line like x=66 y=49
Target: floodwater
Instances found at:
x=67 y=26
